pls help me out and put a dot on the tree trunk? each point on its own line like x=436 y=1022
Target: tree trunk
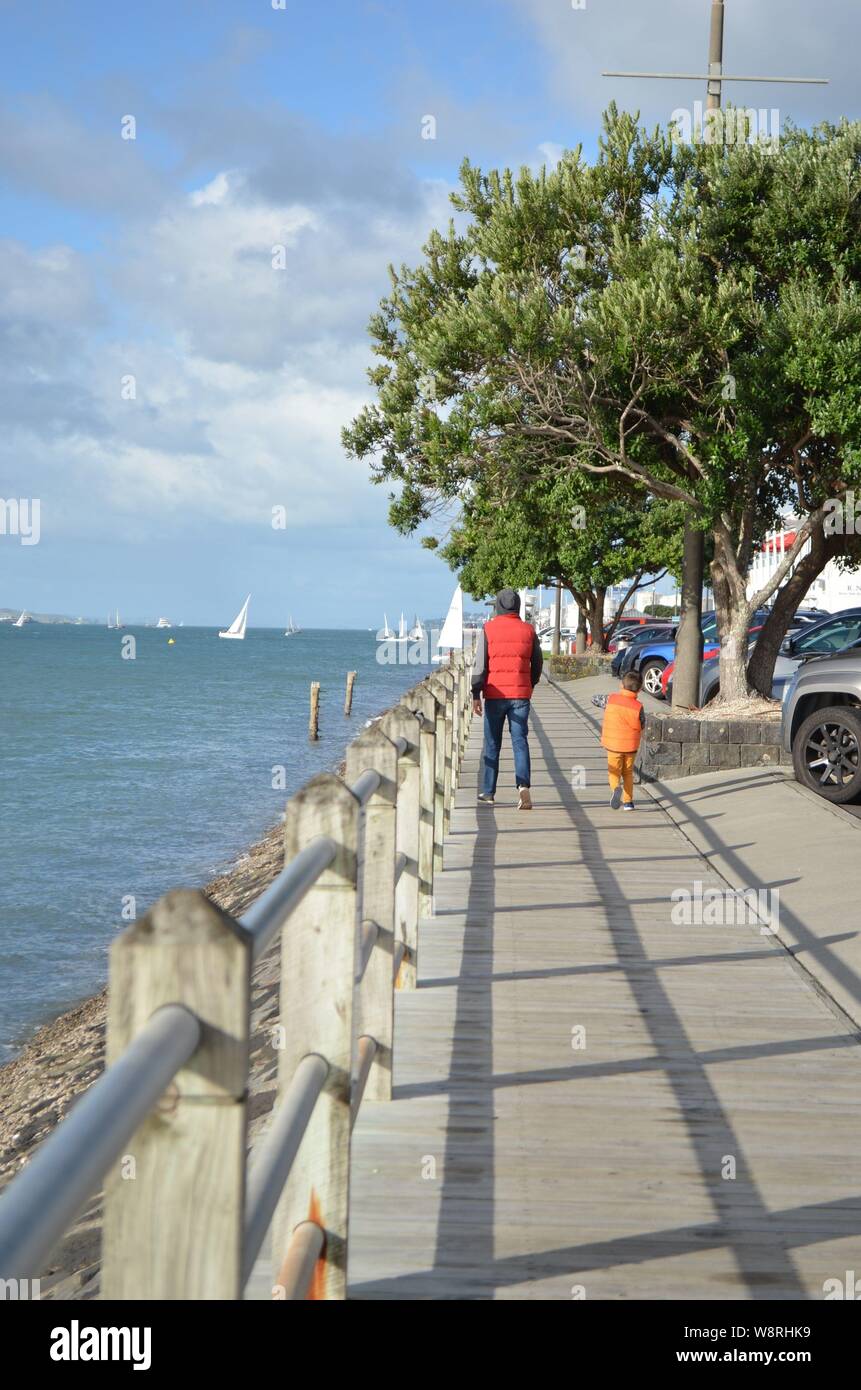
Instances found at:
x=582 y=605
x=689 y=638
x=760 y=670
x=596 y=618
x=557 y=620
x=580 y=641
x=733 y=618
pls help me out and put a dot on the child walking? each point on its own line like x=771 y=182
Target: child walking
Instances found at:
x=621 y=732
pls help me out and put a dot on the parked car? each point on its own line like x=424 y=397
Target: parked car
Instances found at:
x=831 y=635
x=821 y=724
x=709 y=671
x=656 y=631
x=635 y=638
x=652 y=658
x=806 y=617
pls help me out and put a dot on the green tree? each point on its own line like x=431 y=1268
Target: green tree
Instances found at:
x=684 y=319
x=589 y=537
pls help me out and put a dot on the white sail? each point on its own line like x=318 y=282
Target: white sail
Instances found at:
x=386 y=635
x=118 y=623
x=417 y=632
x=237 y=627
x=402 y=630
x=291 y=628
x=21 y=620
x=452 y=628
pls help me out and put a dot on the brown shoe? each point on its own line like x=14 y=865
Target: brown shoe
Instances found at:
x=524 y=800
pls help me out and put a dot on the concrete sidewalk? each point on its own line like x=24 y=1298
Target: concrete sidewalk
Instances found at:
x=759 y=829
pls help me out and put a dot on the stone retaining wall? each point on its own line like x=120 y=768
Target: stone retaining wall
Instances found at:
x=682 y=747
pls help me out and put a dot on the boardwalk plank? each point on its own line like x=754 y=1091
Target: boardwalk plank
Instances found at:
x=597 y=1171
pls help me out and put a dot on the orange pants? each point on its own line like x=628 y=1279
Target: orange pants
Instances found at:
x=620 y=768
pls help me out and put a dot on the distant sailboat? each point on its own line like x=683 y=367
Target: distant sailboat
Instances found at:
x=402 y=630
x=452 y=629
x=21 y=619
x=118 y=624
x=386 y=635
x=417 y=632
x=291 y=629
x=237 y=627
x=163 y=622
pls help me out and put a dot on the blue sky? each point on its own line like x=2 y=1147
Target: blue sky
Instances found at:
x=150 y=259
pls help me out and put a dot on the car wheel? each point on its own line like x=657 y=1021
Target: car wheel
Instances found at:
x=710 y=693
x=826 y=753
x=651 y=673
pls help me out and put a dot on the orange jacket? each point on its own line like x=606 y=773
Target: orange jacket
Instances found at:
x=623 y=722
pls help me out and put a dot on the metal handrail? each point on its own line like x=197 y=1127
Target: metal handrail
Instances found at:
x=303 y=1252
x=366 y=1051
x=367 y=942
x=71 y=1165
x=268 y=913
x=365 y=785
x=275 y=1157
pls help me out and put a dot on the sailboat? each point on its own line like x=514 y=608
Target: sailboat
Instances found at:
x=452 y=629
x=417 y=632
x=237 y=627
x=402 y=630
x=118 y=624
x=21 y=620
x=291 y=629
x=386 y=635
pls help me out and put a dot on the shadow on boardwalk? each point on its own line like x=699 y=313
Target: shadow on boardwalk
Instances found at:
x=601 y=1172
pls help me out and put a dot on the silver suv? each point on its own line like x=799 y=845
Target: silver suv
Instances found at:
x=821 y=724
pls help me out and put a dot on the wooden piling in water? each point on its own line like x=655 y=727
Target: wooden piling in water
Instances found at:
x=314 y=717
x=348 y=698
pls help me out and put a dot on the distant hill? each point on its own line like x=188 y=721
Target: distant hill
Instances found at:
x=8 y=615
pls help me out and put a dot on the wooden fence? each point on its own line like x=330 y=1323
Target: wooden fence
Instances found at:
x=185 y=1210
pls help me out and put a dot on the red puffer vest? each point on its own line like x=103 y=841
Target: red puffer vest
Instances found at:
x=509 y=658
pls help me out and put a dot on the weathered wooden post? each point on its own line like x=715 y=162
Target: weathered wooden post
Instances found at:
x=313 y=718
x=446 y=677
x=318 y=962
x=423 y=701
x=439 y=690
x=401 y=723
x=348 y=698
x=459 y=722
x=375 y=998
x=174 y=1213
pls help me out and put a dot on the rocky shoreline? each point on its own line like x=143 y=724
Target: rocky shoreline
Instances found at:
x=63 y=1059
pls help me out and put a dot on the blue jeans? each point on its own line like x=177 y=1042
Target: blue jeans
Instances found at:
x=495 y=714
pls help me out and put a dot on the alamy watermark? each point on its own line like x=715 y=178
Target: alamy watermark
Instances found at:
x=843 y=515
x=726 y=907
x=737 y=125
x=21 y=517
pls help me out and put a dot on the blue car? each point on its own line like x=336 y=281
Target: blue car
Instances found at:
x=652 y=658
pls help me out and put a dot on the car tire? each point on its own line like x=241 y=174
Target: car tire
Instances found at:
x=828 y=745
x=651 y=673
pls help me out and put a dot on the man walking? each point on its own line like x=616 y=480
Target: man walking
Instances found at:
x=508 y=664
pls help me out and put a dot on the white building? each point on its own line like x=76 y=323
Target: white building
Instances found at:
x=833 y=590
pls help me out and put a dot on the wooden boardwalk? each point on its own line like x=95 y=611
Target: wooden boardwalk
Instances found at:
x=513 y=1163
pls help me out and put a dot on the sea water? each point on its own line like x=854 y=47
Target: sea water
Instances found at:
x=122 y=778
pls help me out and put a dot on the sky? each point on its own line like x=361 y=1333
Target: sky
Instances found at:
x=163 y=385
